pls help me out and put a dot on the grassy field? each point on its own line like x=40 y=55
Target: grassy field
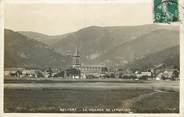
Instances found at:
x=68 y=80
x=92 y=97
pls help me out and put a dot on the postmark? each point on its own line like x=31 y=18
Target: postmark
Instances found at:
x=166 y=11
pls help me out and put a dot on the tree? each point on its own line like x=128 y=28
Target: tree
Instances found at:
x=104 y=69
x=73 y=72
x=175 y=74
x=49 y=71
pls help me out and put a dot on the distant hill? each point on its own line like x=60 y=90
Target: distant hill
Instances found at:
x=95 y=42
x=168 y=57
x=116 y=45
x=144 y=45
x=103 y=38
x=21 y=51
x=46 y=39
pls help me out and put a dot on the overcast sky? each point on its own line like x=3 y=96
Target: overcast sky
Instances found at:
x=64 y=18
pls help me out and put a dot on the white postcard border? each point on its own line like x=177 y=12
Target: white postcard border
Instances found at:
x=2 y=2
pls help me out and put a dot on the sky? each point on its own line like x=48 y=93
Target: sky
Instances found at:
x=54 y=19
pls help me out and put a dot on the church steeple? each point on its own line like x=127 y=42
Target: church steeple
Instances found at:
x=76 y=59
x=76 y=54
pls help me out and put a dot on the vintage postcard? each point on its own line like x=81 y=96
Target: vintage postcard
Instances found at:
x=92 y=58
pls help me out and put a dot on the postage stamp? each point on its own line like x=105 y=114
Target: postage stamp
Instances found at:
x=166 y=11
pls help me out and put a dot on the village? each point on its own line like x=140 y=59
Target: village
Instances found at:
x=81 y=71
x=103 y=73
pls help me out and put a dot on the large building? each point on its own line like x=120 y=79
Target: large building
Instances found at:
x=85 y=70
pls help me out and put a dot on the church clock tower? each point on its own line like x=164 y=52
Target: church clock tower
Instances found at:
x=76 y=59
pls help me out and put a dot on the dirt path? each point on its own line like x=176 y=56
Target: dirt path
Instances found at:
x=127 y=104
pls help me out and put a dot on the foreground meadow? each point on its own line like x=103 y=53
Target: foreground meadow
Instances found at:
x=93 y=97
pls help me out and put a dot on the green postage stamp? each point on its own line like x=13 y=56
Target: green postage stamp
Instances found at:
x=166 y=11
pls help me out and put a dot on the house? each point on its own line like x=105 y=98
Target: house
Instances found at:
x=170 y=74
x=146 y=74
x=159 y=76
x=32 y=73
x=96 y=70
x=13 y=72
x=129 y=76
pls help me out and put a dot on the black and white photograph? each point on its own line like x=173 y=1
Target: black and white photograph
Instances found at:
x=105 y=58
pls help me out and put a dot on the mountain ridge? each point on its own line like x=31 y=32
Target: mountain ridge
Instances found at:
x=169 y=58
x=20 y=51
x=113 y=45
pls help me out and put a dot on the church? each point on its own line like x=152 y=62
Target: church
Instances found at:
x=86 y=70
